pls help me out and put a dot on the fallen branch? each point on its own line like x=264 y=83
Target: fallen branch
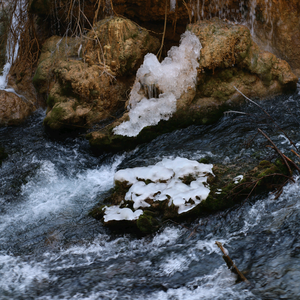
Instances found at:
x=295 y=153
x=292 y=162
x=230 y=264
x=279 y=152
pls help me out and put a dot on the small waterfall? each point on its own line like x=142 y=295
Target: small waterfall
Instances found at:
x=172 y=5
x=257 y=15
x=13 y=40
x=252 y=15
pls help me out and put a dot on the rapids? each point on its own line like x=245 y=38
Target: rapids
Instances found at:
x=51 y=249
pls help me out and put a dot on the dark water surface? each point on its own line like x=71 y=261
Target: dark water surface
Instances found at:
x=51 y=249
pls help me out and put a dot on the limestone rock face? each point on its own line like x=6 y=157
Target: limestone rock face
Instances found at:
x=13 y=109
x=277 y=27
x=276 y=24
x=229 y=58
x=87 y=80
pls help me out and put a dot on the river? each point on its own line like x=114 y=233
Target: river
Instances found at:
x=51 y=249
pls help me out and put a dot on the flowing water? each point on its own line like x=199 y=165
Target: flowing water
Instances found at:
x=51 y=249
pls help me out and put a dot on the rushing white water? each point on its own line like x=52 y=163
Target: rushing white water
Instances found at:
x=51 y=249
x=13 y=40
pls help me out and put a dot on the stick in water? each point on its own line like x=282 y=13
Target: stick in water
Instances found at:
x=230 y=264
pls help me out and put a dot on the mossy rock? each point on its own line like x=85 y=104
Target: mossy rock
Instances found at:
x=106 y=140
x=146 y=223
x=54 y=119
x=225 y=192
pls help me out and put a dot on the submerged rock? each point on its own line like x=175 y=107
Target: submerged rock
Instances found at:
x=229 y=58
x=180 y=189
x=87 y=79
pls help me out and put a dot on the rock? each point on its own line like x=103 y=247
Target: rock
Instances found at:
x=141 y=200
x=229 y=58
x=170 y=189
x=14 y=109
x=277 y=28
x=85 y=85
x=275 y=24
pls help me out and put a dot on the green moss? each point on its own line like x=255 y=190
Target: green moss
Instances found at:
x=188 y=179
x=147 y=224
x=38 y=78
x=54 y=120
x=180 y=119
x=225 y=193
x=97 y=212
x=51 y=101
x=226 y=75
x=204 y=161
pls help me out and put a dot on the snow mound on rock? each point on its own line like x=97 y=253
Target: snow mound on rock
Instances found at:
x=181 y=182
x=158 y=85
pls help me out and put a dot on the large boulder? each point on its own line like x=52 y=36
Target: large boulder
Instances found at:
x=179 y=189
x=229 y=58
x=86 y=80
x=14 y=109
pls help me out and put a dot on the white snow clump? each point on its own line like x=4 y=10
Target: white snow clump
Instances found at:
x=166 y=183
x=169 y=79
x=118 y=214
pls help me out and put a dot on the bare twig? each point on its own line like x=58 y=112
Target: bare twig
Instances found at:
x=279 y=152
x=230 y=264
x=164 y=33
x=292 y=162
x=295 y=153
x=234 y=112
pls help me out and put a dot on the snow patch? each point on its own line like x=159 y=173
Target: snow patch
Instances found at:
x=118 y=214
x=238 y=178
x=163 y=181
x=158 y=85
